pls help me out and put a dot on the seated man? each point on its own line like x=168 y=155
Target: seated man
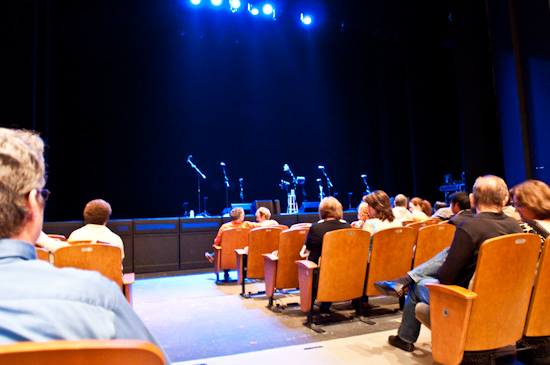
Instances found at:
x=237 y=221
x=40 y=302
x=490 y=195
x=97 y=212
x=400 y=210
x=460 y=205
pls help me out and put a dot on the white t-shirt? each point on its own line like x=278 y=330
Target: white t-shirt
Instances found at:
x=97 y=232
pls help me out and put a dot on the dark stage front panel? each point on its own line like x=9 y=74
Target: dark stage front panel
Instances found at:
x=197 y=237
x=156 y=245
x=124 y=227
x=64 y=228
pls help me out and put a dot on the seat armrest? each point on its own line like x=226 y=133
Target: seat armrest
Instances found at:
x=128 y=278
x=240 y=252
x=270 y=257
x=306 y=264
x=450 y=310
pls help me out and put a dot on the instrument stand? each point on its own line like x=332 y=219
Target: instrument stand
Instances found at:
x=292 y=206
x=185 y=213
x=204 y=214
x=349 y=201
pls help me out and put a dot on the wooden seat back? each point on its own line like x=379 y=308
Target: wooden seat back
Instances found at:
x=42 y=254
x=431 y=240
x=231 y=240
x=418 y=225
x=260 y=240
x=82 y=352
x=101 y=257
x=343 y=265
x=391 y=256
x=537 y=324
x=281 y=272
x=282 y=226
x=493 y=314
x=301 y=225
x=59 y=237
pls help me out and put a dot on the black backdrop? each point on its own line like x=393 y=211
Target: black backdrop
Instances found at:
x=124 y=91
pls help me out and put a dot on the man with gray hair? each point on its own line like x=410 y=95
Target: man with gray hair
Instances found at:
x=490 y=195
x=40 y=302
x=400 y=210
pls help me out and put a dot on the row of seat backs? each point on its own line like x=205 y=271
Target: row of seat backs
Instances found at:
x=499 y=309
x=345 y=254
x=259 y=240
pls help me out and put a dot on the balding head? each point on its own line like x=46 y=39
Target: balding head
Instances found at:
x=490 y=193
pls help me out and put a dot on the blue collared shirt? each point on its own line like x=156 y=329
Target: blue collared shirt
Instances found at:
x=39 y=302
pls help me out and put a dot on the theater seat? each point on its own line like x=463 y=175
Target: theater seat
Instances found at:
x=82 y=352
x=493 y=314
x=341 y=274
x=224 y=254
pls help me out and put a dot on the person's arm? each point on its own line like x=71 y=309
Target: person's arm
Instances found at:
x=460 y=253
x=49 y=243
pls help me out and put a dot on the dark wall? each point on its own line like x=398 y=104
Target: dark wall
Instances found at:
x=131 y=88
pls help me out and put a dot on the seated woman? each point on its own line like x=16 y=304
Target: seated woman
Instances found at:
x=380 y=210
x=263 y=216
x=331 y=214
x=362 y=216
x=532 y=201
x=421 y=209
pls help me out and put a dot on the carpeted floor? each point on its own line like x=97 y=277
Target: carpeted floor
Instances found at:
x=193 y=318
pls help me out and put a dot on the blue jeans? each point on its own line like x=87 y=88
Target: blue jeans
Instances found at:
x=410 y=326
x=418 y=292
x=429 y=269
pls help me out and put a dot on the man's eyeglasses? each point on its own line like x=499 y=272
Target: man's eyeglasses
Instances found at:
x=44 y=193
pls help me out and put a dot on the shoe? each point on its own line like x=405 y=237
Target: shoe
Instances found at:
x=398 y=342
x=209 y=256
x=396 y=288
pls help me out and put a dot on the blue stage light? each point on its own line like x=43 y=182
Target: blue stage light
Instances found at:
x=195 y=2
x=255 y=11
x=216 y=2
x=306 y=19
x=267 y=9
x=234 y=4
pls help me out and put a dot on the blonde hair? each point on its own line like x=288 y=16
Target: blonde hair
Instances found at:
x=330 y=207
x=264 y=212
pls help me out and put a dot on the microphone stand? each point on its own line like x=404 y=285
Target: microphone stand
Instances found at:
x=226 y=187
x=321 y=194
x=329 y=183
x=199 y=175
x=242 y=192
x=366 y=185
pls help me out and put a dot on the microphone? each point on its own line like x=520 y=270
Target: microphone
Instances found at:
x=285 y=167
x=318 y=180
x=222 y=163
x=320 y=167
x=363 y=176
x=241 y=179
x=189 y=158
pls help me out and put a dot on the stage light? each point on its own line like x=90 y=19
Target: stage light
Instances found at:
x=306 y=19
x=267 y=9
x=216 y=2
x=235 y=5
x=195 y=2
x=253 y=10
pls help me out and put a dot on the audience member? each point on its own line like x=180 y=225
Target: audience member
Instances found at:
x=49 y=243
x=400 y=210
x=442 y=211
x=380 y=211
x=237 y=221
x=40 y=302
x=263 y=216
x=490 y=195
x=97 y=212
x=421 y=209
x=331 y=214
x=532 y=201
x=362 y=216
x=460 y=205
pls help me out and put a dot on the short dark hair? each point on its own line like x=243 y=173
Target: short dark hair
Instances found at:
x=97 y=211
x=462 y=198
